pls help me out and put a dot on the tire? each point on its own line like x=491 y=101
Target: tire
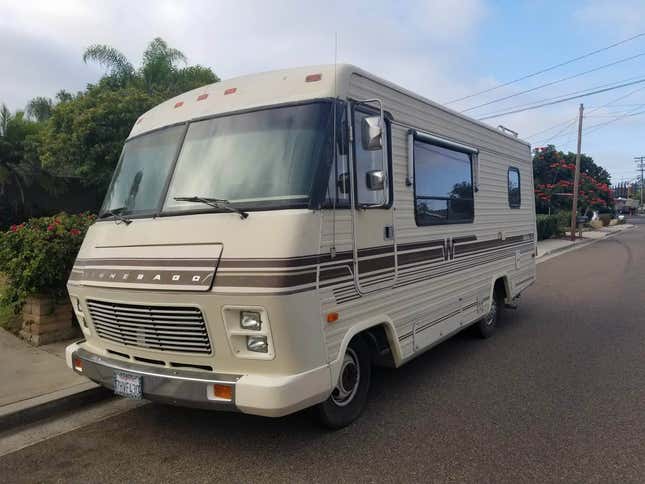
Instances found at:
x=486 y=326
x=349 y=398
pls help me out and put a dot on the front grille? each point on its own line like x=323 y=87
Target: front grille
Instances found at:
x=165 y=328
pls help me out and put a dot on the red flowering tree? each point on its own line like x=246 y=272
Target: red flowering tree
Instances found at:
x=553 y=173
x=37 y=256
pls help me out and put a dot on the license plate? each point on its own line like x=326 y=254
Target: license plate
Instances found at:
x=128 y=385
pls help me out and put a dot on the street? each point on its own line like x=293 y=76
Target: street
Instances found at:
x=558 y=394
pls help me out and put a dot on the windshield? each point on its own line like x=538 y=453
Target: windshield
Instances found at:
x=261 y=158
x=142 y=173
x=269 y=158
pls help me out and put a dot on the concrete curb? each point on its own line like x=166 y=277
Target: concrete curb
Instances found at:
x=45 y=406
x=578 y=244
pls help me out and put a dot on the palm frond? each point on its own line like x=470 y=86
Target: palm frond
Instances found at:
x=109 y=57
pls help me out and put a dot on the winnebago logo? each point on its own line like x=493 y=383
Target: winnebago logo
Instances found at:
x=448 y=249
x=151 y=273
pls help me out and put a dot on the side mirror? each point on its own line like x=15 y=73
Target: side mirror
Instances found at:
x=371 y=133
x=375 y=180
x=343 y=183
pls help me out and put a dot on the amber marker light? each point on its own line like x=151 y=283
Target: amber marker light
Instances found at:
x=223 y=392
x=332 y=317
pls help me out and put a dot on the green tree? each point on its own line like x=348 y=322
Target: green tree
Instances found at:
x=17 y=156
x=85 y=133
x=39 y=108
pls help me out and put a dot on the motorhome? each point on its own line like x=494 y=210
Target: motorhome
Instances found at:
x=268 y=239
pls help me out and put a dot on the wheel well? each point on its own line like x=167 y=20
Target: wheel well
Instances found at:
x=500 y=288
x=379 y=344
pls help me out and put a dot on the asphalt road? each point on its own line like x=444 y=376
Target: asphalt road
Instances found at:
x=558 y=394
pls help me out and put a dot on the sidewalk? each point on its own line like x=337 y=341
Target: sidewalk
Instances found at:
x=35 y=381
x=553 y=246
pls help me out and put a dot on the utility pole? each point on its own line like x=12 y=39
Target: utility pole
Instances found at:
x=640 y=165
x=576 y=178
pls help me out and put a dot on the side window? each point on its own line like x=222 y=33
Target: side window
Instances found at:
x=338 y=188
x=443 y=185
x=369 y=163
x=514 y=192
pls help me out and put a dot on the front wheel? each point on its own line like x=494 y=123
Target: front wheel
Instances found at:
x=349 y=398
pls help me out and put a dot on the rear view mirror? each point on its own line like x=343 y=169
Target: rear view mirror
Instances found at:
x=371 y=133
x=375 y=180
x=343 y=183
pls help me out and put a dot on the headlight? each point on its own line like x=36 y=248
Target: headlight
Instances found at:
x=257 y=344
x=250 y=320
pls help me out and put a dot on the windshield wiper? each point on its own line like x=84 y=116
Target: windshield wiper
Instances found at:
x=116 y=213
x=215 y=203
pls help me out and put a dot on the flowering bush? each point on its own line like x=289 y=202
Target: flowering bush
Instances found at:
x=36 y=257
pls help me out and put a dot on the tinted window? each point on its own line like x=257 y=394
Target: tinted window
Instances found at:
x=514 y=196
x=443 y=185
x=255 y=159
x=141 y=177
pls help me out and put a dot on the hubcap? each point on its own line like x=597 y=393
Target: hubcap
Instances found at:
x=348 y=380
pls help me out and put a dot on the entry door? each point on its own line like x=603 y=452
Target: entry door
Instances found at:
x=374 y=227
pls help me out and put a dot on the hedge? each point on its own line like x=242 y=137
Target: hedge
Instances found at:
x=548 y=226
x=37 y=256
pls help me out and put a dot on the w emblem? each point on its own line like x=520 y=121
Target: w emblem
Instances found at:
x=448 y=249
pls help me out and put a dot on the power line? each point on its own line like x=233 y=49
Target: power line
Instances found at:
x=542 y=71
x=550 y=103
x=566 y=129
x=609 y=103
x=580 y=91
x=551 y=83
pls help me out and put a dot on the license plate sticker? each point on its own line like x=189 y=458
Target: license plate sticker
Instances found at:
x=128 y=385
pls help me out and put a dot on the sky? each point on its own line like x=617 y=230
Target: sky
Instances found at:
x=441 y=49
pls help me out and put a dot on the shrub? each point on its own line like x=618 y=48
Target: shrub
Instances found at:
x=605 y=218
x=564 y=220
x=547 y=226
x=36 y=257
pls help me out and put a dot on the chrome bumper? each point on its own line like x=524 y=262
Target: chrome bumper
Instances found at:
x=168 y=385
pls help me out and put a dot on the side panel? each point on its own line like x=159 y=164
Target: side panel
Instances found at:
x=446 y=272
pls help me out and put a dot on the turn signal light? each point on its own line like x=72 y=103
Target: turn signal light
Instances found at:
x=223 y=392
x=78 y=364
x=332 y=317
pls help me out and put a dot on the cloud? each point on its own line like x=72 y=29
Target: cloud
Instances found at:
x=414 y=43
x=625 y=17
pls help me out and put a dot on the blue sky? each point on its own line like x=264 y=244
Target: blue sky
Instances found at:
x=441 y=49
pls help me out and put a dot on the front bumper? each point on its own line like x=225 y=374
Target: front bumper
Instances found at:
x=270 y=396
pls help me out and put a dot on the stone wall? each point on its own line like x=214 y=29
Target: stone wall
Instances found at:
x=45 y=320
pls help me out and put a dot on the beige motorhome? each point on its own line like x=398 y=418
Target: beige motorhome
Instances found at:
x=267 y=239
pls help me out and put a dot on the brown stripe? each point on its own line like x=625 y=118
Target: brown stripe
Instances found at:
x=147 y=262
x=269 y=281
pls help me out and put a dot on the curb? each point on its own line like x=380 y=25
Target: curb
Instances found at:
x=577 y=245
x=45 y=406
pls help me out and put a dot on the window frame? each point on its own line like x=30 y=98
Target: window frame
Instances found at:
x=519 y=187
x=434 y=141
x=356 y=133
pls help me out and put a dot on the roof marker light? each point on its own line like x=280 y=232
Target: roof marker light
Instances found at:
x=179 y=104
x=201 y=97
x=230 y=90
x=313 y=77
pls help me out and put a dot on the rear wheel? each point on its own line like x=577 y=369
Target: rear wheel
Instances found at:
x=349 y=397
x=487 y=325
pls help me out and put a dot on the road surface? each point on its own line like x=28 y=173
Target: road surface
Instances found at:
x=558 y=394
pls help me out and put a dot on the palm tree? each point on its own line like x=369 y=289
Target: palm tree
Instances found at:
x=40 y=108
x=160 y=67
x=117 y=63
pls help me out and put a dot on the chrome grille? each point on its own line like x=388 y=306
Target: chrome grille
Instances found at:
x=165 y=328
